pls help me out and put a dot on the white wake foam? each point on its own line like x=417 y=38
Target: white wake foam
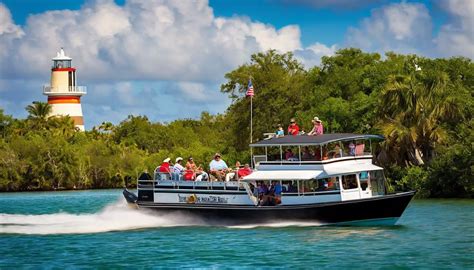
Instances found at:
x=114 y=217
x=277 y=224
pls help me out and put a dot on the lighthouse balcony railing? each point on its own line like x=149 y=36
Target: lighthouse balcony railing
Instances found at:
x=67 y=89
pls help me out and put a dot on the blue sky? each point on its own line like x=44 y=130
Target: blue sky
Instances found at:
x=167 y=59
x=326 y=24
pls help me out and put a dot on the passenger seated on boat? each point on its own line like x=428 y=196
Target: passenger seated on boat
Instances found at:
x=178 y=169
x=272 y=196
x=165 y=166
x=232 y=174
x=317 y=127
x=190 y=165
x=262 y=193
x=275 y=193
x=322 y=185
x=336 y=152
x=359 y=149
x=307 y=155
x=200 y=174
x=352 y=150
x=218 y=167
x=325 y=154
x=189 y=175
x=289 y=154
x=262 y=189
x=246 y=170
x=145 y=175
x=293 y=128
x=289 y=187
x=280 y=132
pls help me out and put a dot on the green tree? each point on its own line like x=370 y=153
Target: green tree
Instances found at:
x=414 y=108
x=278 y=81
x=39 y=113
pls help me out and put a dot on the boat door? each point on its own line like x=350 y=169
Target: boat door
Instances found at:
x=364 y=183
x=350 y=189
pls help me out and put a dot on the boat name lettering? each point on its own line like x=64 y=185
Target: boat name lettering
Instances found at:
x=201 y=199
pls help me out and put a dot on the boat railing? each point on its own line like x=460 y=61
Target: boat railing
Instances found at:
x=296 y=161
x=195 y=185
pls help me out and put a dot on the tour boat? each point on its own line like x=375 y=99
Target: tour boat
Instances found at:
x=328 y=179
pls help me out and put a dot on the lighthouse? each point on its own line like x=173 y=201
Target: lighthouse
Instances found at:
x=64 y=95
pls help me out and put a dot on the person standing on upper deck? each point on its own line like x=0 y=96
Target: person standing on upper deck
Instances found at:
x=317 y=127
x=293 y=128
x=218 y=167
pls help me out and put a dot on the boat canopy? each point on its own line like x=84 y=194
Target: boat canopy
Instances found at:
x=282 y=175
x=336 y=169
x=314 y=140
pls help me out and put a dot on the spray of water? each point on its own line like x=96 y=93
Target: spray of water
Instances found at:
x=116 y=216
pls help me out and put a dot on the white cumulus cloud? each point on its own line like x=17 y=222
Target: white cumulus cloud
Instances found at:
x=152 y=40
x=457 y=36
x=407 y=28
x=402 y=27
x=161 y=58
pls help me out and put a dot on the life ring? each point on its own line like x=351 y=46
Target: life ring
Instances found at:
x=192 y=199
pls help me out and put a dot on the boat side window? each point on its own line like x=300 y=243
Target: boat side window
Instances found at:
x=273 y=153
x=332 y=150
x=360 y=148
x=349 y=181
x=289 y=187
x=317 y=151
x=330 y=183
x=364 y=180
x=291 y=153
x=309 y=186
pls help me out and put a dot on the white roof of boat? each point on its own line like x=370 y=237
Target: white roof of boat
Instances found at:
x=282 y=175
x=337 y=169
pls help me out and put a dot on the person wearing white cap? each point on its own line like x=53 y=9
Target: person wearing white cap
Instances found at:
x=163 y=172
x=164 y=167
x=317 y=127
x=178 y=169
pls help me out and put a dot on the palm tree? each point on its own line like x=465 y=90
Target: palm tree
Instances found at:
x=413 y=111
x=63 y=125
x=39 y=113
x=106 y=127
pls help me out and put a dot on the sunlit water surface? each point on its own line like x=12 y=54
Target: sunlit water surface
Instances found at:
x=96 y=229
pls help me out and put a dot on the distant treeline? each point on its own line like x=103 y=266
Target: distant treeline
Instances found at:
x=424 y=108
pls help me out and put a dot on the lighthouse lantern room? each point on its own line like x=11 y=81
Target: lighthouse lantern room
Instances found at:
x=63 y=93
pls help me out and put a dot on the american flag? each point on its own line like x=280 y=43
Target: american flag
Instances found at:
x=250 y=89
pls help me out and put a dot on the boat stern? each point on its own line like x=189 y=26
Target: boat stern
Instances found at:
x=130 y=197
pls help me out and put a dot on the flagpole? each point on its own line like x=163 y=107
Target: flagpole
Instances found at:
x=251 y=129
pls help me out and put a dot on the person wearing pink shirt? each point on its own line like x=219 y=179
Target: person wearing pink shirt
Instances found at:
x=317 y=127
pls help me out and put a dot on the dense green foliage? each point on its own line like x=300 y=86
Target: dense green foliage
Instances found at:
x=423 y=106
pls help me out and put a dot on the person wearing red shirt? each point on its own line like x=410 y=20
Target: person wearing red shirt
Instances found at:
x=165 y=166
x=293 y=128
x=244 y=171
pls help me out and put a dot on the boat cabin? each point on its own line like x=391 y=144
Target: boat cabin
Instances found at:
x=329 y=167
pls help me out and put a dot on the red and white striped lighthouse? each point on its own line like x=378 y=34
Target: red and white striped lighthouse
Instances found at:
x=63 y=93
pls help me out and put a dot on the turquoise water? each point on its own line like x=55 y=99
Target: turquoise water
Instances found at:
x=95 y=229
